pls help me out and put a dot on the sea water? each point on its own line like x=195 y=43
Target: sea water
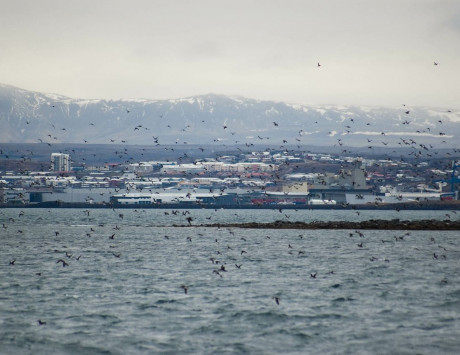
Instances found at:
x=249 y=291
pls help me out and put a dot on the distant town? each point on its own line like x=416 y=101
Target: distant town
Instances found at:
x=260 y=178
x=223 y=151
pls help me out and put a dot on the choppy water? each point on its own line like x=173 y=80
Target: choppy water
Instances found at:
x=124 y=295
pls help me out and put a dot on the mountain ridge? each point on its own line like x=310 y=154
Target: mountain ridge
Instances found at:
x=35 y=117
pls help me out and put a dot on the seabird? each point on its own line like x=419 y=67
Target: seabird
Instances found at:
x=64 y=264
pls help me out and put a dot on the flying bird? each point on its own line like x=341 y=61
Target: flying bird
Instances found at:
x=64 y=264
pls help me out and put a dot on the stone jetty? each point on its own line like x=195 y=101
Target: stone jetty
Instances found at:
x=394 y=224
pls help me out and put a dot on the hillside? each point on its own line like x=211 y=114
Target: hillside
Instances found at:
x=33 y=117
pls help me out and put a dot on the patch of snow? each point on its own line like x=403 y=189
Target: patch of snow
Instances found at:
x=452 y=116
x=364 y=109
x=238 y=99
x=135 y=100
x=421 y=134
x=271 y=112
x=85 y=103
x=190 y=100
x=298 y=107
x=336 y=108
x=304 y=133
x=200 y=103
x=57 y=97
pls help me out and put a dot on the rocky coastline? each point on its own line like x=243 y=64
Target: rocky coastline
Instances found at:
x=394 y=224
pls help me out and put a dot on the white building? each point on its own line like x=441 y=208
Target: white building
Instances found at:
x=60 y=162
x=217 y=166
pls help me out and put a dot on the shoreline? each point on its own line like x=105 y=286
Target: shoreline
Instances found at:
x=422 y=205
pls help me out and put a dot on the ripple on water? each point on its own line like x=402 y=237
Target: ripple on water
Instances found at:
x=134 y=303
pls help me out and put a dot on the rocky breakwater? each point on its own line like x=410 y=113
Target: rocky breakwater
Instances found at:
x=394 y=224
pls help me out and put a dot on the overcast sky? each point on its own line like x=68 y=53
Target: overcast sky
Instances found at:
x=371 y=52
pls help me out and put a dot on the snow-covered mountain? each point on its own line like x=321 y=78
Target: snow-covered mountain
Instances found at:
x=32 y=117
